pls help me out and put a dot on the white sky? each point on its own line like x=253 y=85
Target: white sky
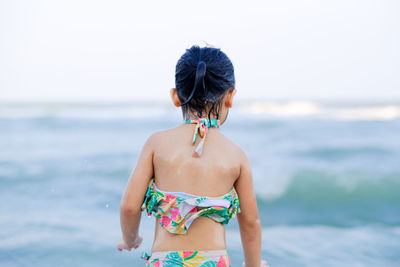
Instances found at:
x=127 y=50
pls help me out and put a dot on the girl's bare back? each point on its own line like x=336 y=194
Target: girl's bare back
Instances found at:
x=177 y=168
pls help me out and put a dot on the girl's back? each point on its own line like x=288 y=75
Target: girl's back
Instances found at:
x=176 y=168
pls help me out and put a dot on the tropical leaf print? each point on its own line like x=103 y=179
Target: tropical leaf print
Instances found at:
x=190 y=258
x=166 y=207
x=173 y=259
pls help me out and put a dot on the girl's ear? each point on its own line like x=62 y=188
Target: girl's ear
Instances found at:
x=175 y=98
x=229 y=98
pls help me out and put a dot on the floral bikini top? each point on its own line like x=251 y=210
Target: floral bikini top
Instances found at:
x=177 y=210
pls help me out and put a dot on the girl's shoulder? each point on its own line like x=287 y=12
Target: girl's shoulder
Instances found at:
x=158 y=137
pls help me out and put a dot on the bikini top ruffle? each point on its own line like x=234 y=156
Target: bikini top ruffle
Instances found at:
x=177 y=210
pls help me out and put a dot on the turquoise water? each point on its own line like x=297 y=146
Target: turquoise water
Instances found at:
x=328 y=185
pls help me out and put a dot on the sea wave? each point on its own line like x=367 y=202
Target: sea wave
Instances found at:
x=78 y=111
x=315 y=197
x=339 y=111
x=263 y=109
x=317 y=187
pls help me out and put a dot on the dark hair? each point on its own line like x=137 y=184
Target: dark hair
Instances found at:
x=203 y=75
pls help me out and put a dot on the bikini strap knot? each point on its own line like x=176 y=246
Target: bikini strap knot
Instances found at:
x=201 y=128
x=145 y=256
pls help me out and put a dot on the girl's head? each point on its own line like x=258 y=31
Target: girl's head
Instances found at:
x=205 y=83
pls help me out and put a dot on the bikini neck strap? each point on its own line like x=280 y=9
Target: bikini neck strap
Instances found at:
x=207 y=122
x=202 y=125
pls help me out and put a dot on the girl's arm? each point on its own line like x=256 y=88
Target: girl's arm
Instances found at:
x=248 y=218
x=130 y=210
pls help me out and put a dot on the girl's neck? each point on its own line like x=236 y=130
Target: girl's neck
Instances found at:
x=194 y=117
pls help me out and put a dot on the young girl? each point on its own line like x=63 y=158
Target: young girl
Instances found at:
x=194 y=192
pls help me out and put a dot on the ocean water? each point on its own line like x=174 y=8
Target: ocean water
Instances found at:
x=327 y=178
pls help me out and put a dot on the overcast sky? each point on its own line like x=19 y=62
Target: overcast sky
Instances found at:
x=127 y=50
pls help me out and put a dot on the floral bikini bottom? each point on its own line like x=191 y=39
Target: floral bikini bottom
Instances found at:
x=186 y=258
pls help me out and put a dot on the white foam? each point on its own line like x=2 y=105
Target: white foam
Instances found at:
x=250 y=109
x=84 y=112
x=369 y=113
x=292 y=108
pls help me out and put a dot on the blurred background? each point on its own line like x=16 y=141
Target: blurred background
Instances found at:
x=317 y=110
